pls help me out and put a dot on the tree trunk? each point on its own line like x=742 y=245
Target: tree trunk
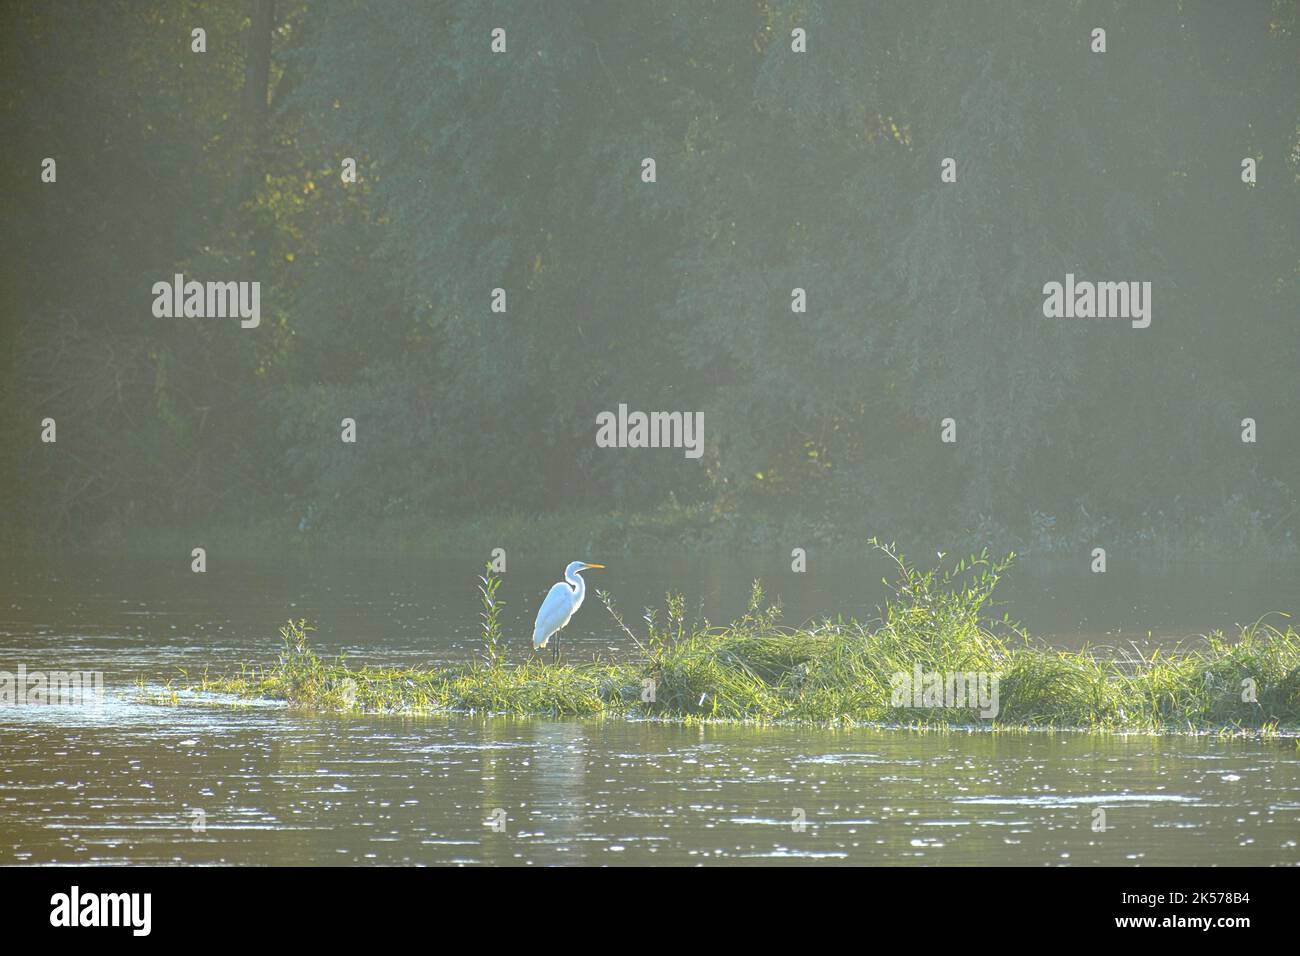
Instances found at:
x=253 y=109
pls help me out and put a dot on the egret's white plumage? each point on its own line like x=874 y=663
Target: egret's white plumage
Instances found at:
x=561 y=602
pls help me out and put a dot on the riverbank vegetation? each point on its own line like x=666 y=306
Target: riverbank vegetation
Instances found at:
x=936 y=622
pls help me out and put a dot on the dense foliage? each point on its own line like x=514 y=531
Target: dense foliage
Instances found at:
x=775 y=170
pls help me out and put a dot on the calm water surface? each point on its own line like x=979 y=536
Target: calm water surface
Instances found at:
x=123 y=781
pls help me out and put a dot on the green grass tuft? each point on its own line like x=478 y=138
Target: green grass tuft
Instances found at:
x=756 y=669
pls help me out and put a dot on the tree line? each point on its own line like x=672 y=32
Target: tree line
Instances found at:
x=775 y=170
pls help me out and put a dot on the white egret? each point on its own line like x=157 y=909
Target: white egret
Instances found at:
x=561 y=602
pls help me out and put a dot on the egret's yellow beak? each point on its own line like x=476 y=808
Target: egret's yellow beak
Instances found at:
x=592 y=566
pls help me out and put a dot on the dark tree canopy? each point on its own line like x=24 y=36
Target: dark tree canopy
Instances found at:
x=776 y=170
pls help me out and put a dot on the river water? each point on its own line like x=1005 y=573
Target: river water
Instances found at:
x=123 y=780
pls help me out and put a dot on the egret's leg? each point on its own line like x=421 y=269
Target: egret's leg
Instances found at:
x=555 y=652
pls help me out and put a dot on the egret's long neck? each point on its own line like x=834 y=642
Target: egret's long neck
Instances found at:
x=579 y=586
